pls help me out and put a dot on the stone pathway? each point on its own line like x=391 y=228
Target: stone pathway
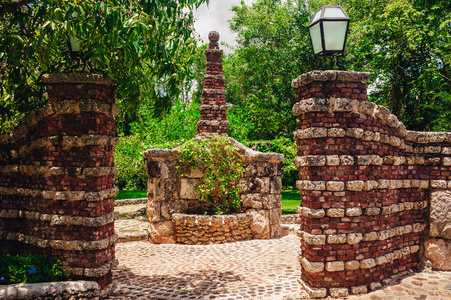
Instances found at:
x=256 y=269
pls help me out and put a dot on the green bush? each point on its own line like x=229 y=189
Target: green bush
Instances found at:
x=30 y=268
x=222 y=165
x=286 y=147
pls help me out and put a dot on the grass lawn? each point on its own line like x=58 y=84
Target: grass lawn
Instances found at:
x=130 y=195
x=290 y=199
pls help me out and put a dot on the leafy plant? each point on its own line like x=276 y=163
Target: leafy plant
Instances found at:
x=146 y=46
x=29 y=268
x=222 y=166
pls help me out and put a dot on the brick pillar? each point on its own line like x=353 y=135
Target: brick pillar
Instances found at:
x=57 y=179
x=363 y=199
x=213 y=117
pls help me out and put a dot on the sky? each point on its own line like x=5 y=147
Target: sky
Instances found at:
x=215 y=17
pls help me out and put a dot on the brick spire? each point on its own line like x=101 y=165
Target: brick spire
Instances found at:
x=213 y=116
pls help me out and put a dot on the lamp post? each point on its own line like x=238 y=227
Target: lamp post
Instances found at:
x=328 y=31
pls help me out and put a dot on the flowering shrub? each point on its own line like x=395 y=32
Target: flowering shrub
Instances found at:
x=222 y=166
x=29 y=268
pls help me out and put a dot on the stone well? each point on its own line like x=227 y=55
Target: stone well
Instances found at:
x=172 y=200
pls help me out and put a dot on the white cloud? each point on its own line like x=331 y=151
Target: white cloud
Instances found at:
x=215 y=17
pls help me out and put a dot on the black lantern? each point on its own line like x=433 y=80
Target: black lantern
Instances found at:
x=328 y=31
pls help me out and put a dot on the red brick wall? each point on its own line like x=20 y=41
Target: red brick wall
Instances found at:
x=365 y=183
x=57 y=178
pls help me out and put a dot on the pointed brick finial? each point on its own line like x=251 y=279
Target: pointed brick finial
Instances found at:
x=213 y=111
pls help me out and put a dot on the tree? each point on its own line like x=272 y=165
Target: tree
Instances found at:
x=144 y=45
x=273 y=49
x=405 y=44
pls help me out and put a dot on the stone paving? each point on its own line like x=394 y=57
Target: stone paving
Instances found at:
x=255 y=269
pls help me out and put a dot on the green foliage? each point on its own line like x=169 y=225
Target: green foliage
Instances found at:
x=29 y=268
x=273 y=49
x=147 y=133
x=144 y=45
x=405 y=45
x=286 y=147
x=222 y=166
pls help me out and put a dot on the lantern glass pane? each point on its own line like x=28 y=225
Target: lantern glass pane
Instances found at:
x=333 y=12
x=74 y=43
x=315 y=36
x=334 y=35
x=317 y=15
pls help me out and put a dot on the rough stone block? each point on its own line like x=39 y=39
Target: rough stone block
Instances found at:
x=314 y=239
x=375 y=285
x=361 y=289
x=343 y=105
x=367 y=263
x=439 y=252
x=310 y=161
x=312 y=104
x=310 y=212
x=311 y=267
x=187 y=189
x=354 y=238
x=438 y=184
x=161 y=232
x=313 y=292
x=339 y=292
x=354 y=185
x=336 y=132
x=352 y=265
x=380 y=260
x=353 y=211
x=346 y=160
x=440 y=215
x=367 y=108
x=336 y=238
x=370 y=185
x=335 y=186
x=335 y=266
x=260 y=225
x=335 y=212
x=332 y=160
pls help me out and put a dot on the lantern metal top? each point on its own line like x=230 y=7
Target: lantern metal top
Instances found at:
x=329 y=13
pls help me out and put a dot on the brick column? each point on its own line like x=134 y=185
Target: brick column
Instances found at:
x=213 y=117
x=57 y=179
x=363 y=194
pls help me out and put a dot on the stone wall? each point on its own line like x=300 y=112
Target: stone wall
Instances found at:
x=203 y=229
x=365 y=183
x=57 y=178
x=170 y=194
x=438 y=245
x=63 y=290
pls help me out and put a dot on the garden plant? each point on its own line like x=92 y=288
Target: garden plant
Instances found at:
x=222 y=165
x=30 y=268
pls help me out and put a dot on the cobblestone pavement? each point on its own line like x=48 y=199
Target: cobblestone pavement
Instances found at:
x=256 y=269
